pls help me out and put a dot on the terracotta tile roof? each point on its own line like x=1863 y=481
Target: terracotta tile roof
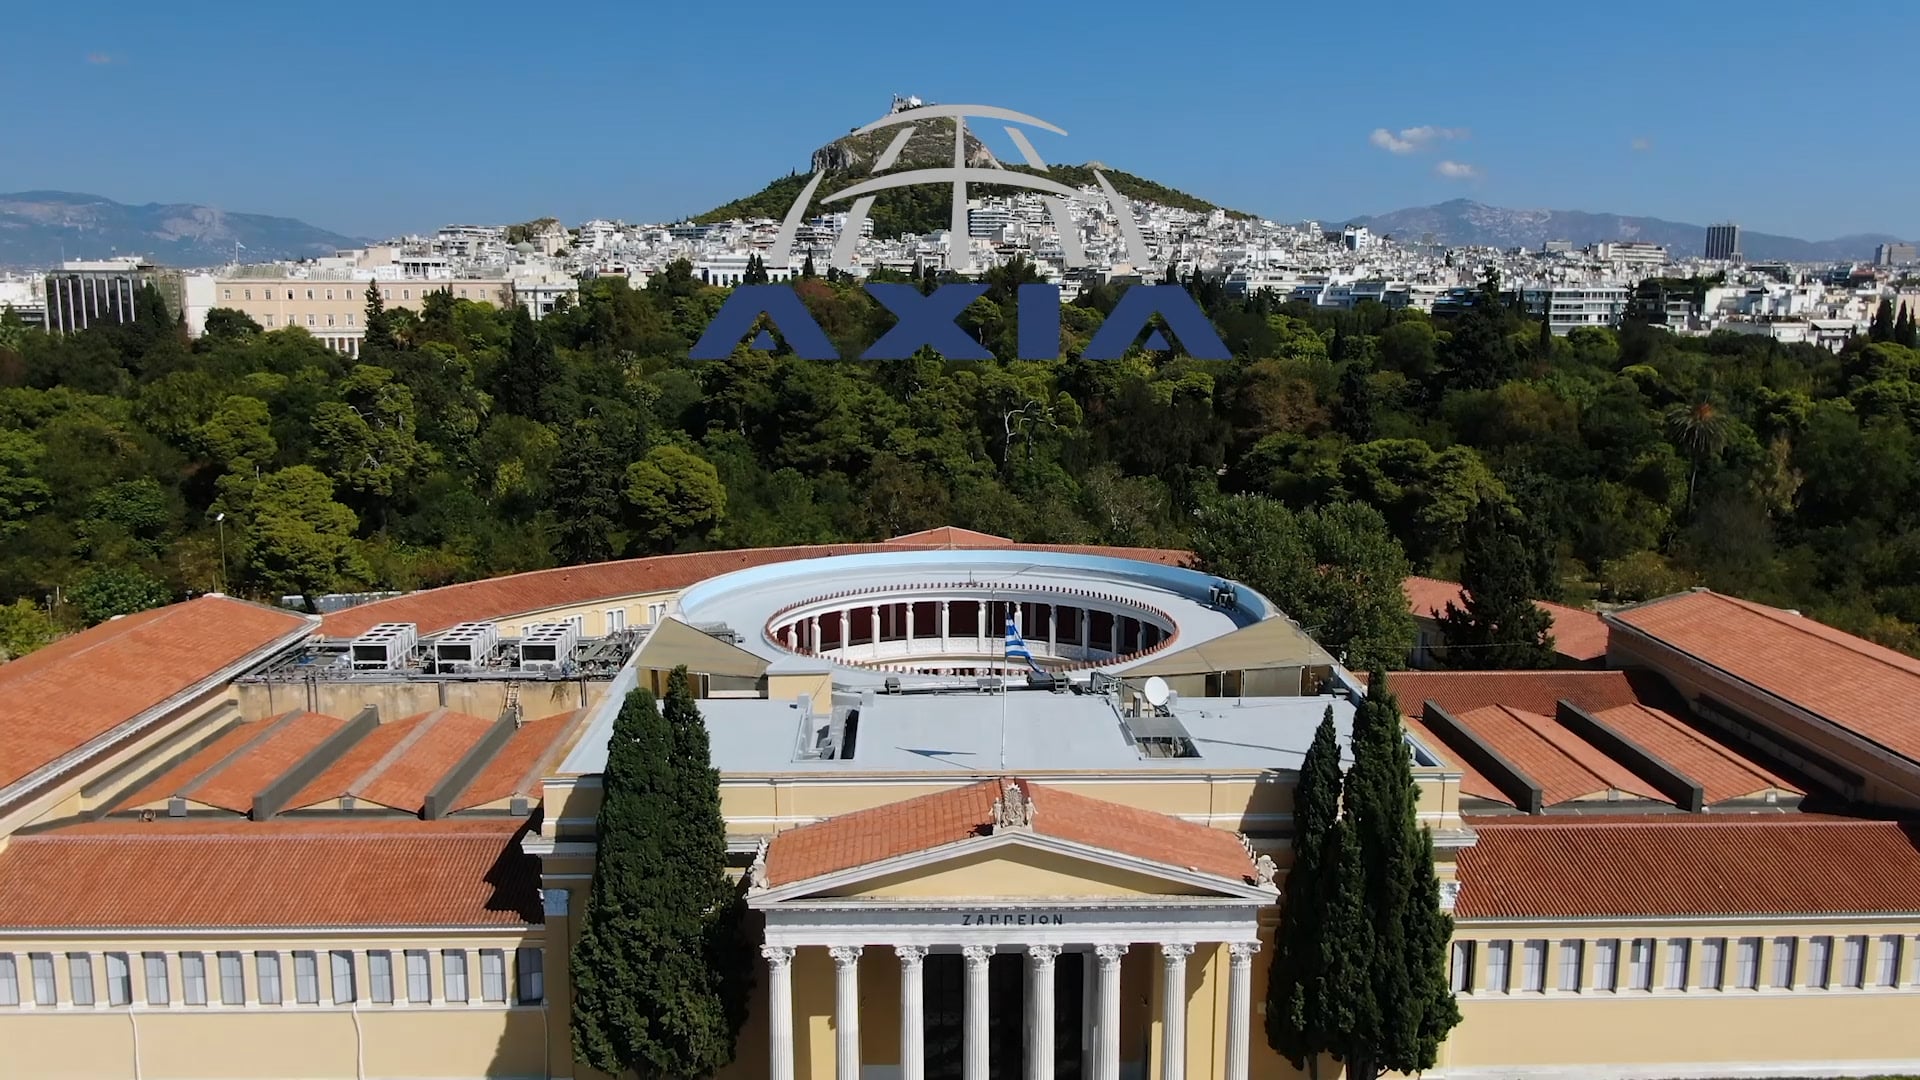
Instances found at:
x=1852 y=683
x=929 y=821
x=951 y=537
x=1472 y=781
x=1533 y=691
x=493 y=598
x=1577 y=635
x=233 y=786
x=79 y=688
x=1689 y=865
x=171 y=781
x=235 y=874
x=1564 y=765
x=1721 y=772
x=333 y=781
x=439 y=744
x=517 y=767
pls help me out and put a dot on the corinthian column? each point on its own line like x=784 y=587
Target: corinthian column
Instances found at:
x=846 y=1010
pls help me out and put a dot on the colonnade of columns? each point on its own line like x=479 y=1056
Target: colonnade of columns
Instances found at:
x=870 y=624
x=1039 y=1020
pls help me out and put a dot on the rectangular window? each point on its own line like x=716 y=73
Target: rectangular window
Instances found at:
x=310 y=319
x=1853 y=962
x=1572 y=951
x=419 y=982
x=1677 y=949
x=1463 y=967
x=1749 y=964
x=1890 y=960
x=9 y=980
x=44 y=991
x=349 y=318
x=289 y=294
x=343 y=988
x=1819 y=961
x=380 y=976
x=269 y=322
x=493 y=975
x=408 y=294
x=329 y=294
x=1785 y=952
x=1640 y=964
x=309 y=294
x=193 y=978
x=1533 y=966
x=80 y=977
x=233 y=980
x=248 y=293
x=329 y=320
x=1499 y=960
x=155 y=965
x=453 y=974
x=531 y=967
x=226 y=294
x=306 y=978
x=266 y=971
x=1713 y=963
x=1606 y=964
x=119 y=979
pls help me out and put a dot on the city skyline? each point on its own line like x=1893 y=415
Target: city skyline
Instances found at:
x=665 y=117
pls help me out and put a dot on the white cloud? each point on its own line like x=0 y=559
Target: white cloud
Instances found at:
x=99 y=58
x=1456 y=170
x=1412 y=139
x=1642 y=144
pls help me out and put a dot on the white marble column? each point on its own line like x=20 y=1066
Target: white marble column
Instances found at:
x=981 y=627
x=845 y=623
x=1173 y=1011
x=945 y=612
x=846 y=1007
x=1053 y=629
x=779 y=1011
x=978 y=957
x=1086 y=634
x=813 y=635
x=1239 y=1006
x=873 y=630
x=913 y=1028
x=1106 y=1054
x=1040 y=960
x=909 y=607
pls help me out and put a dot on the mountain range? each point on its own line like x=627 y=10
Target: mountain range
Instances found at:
x=39 y=228
x=1464 y=223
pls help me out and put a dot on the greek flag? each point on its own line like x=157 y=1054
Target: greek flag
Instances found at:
x=1017 y=646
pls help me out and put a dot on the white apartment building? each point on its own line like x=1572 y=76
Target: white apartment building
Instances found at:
x=1569 y=307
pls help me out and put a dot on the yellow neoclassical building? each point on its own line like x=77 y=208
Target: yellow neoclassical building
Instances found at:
x=241 y=842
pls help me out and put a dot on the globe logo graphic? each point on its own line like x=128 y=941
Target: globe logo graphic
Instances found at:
x=958 y=175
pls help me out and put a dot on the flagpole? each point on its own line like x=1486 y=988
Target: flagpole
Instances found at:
x=1008 y=619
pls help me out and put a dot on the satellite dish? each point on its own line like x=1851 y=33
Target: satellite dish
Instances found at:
x=1157 y=691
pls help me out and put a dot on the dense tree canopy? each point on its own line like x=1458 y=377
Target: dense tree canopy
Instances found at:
x=466 y=441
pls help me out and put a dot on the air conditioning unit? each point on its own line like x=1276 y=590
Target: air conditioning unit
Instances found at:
x=548 y=646
x=384 y=647
x=465 y=646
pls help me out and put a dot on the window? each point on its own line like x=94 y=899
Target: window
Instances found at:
x=1533 y=966
x=1463 y=967
x=1819 y=961
x=1571 y=951
x=1747 y=972
x=1499 y=960
x=247 y=293
x=226 y=294
x=329 y=320
x=453 y=974
x=1713 y=963
x=289 y=294
x=310 y=319
x=419 y=983
x=531 y=967
x=406 y=294
x=233 y=980
x=266 y=972
x=306 y=978
x=80 y=977
x=155 y=965
x=193 y=978
x=1640 y=964
x=342 y=977
x=1853 y=962
x=269 y=322
x=1677 y=949
x=329 y=294
x=349 y=318
x=9 y=980
x=119 y=979
x=493 y=975
x=380 y=976
x=1784 y=950
x=44 y=992
x=1606 y=964
x=1890 y=960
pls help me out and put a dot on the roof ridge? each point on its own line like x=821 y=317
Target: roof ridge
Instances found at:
x=1695 y=821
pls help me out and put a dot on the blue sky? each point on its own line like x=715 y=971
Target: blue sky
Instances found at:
x=373 y=119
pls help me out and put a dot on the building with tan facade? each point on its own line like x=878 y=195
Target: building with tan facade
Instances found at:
x=241 y=842
x=334 y=310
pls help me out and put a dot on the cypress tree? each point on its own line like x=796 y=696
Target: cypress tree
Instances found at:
x=806 y=267
x=1904 y=331
x=1500 y=626
x=1882 y=327
x=1297 y=981
x=660 y=979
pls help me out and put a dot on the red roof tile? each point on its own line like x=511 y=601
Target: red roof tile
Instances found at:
x=1533 y=691
x=1721 y=772
x=170 y=782
x=81 y=687
x=233 y=785
x=1577 y=635
x=350 y=766
x=517 y=767
x=951 y=537
x=1565 y=766
x=235 y=874
x=440 y=741
x=869 y=836
x=1689 y=865
x=1472 y=781
x=1852 y=683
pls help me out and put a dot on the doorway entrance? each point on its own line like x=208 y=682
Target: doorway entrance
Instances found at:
x=946 y=996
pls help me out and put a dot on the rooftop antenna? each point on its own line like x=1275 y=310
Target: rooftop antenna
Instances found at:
x=1157 y=691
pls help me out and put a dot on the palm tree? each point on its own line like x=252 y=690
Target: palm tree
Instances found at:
x=1699 y=428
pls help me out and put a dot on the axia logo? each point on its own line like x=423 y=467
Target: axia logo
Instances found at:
x=928 y=320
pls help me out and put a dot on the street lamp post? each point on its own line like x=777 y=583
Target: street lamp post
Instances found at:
x=220 y=521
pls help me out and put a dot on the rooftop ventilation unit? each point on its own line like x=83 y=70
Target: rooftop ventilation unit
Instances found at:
x=465 y=646
x=1160 y=734
x=548 y=646
x=384 y=647
x=1222 y=595
x=719 y=630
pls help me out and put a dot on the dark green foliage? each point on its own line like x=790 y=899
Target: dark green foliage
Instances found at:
x=660 y=973
x=587 y=479
x=1500 y=626
x=104 y=592
x=1881 y=329
x=1904 y=334
x=1300 y=999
